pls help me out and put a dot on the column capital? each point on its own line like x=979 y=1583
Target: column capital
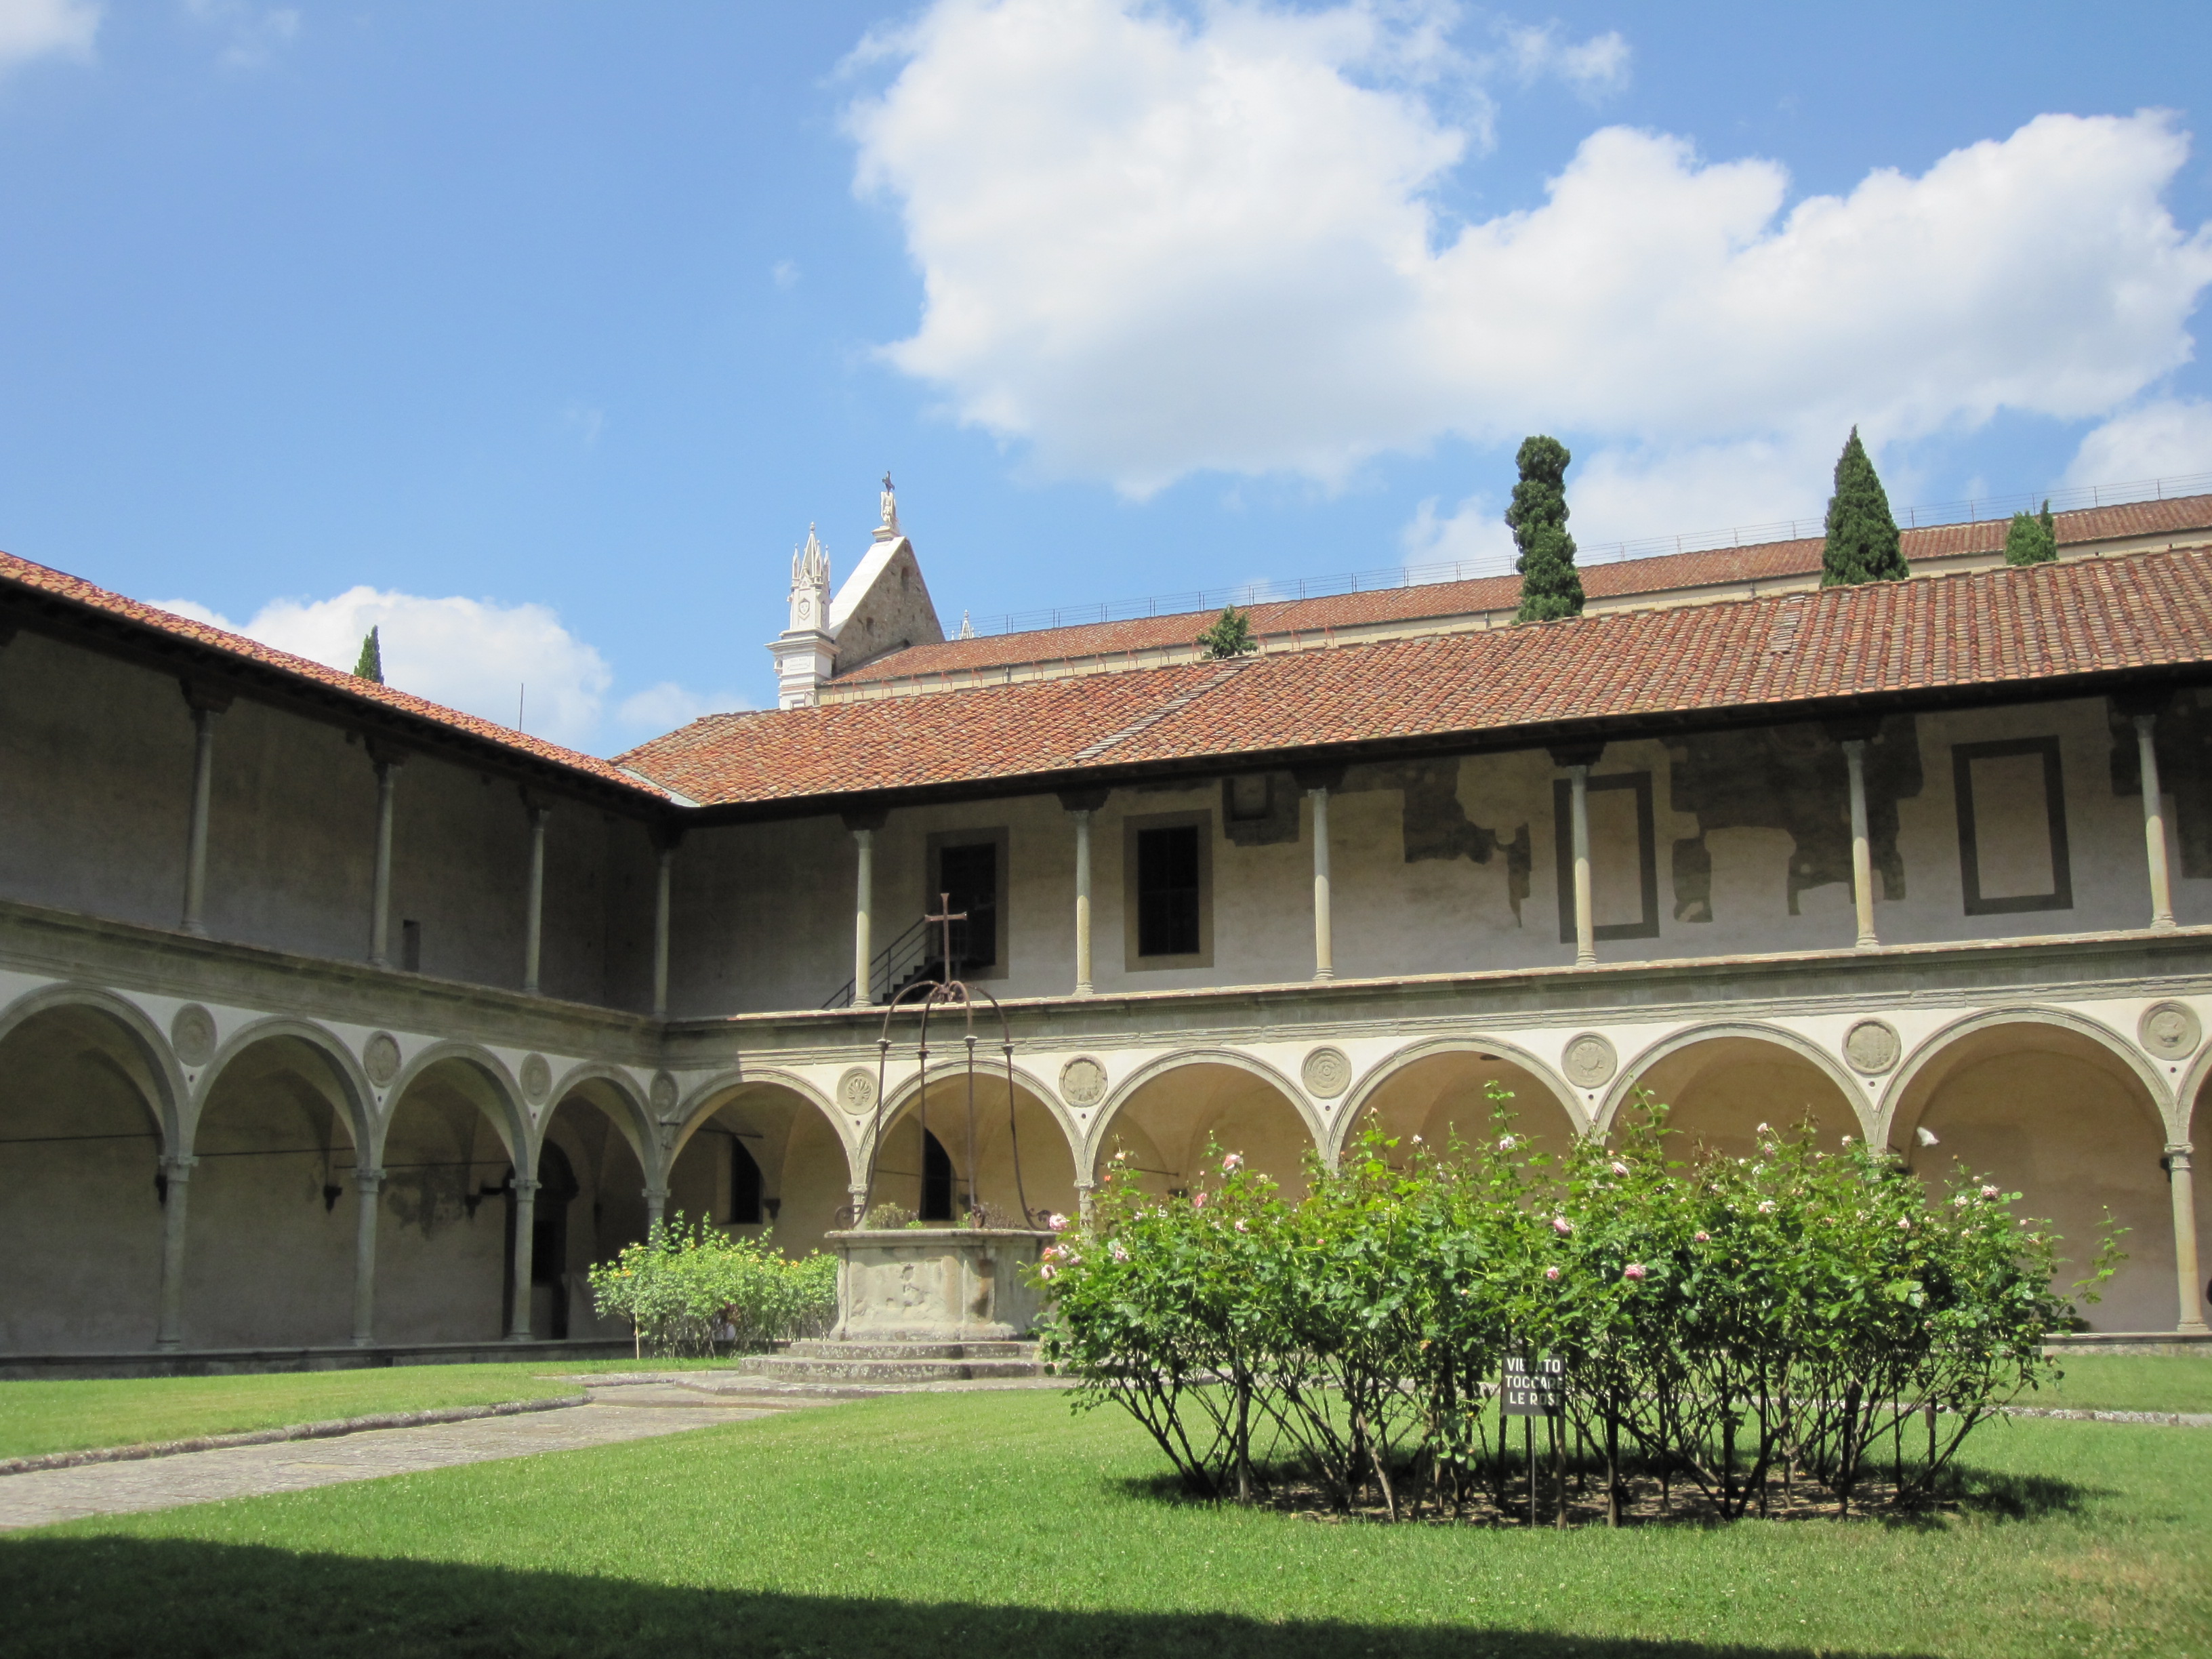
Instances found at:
x=2142 y=703
x=666 y=836
x=1571 y=755
x=869 y=818
x=1084 y=800
x=384 y=754
x=178 y=1169
x=1319 y=776
x=204 y=699
x=1848 y=729
x=525 y=1189
x=2179 y=1154
x=367 y=1182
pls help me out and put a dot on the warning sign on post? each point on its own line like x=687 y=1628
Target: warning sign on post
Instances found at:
x=1535 y=1386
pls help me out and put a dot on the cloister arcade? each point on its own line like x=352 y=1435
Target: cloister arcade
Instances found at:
x=272 y=1191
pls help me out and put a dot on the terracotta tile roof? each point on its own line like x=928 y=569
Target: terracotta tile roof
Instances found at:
x=22 y=575
x=1617 y=579
x=1983 y=628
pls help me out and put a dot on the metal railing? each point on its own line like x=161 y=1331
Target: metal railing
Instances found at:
x=1973 y=510
x=892 y=970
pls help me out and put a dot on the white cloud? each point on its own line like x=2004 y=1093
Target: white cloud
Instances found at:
x=1598 y=64
x=585 y=421
x=1151 y=246
x=2169 y=438
x=39 y=28
x=471 y=655
x=254 y=34
x=784 y=273
x=1473 y=534
x=664 y=707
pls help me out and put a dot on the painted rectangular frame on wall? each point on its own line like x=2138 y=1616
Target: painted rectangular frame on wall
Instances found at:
x=1963 y=756
x=932 y=869
x=1131 y=962
x=1647 y=855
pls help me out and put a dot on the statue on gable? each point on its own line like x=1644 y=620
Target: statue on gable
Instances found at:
x=888 y=504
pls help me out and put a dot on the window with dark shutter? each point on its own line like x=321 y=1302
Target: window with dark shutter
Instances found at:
x=1168 y=892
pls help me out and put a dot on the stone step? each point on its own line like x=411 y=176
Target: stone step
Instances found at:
x=825 y=1348
x=807 y=1369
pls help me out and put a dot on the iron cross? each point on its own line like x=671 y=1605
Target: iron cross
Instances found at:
x=947 y=919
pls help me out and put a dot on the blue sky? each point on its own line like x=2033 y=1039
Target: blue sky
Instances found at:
x=553 y=328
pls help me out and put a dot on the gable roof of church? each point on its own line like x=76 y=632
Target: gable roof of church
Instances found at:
x=59 y=602
x=2053 y=629
x=1619 y=578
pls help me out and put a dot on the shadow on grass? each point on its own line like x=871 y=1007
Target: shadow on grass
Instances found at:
x=72 y=1596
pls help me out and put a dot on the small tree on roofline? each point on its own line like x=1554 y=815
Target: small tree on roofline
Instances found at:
x=371 y=665
x=1551 y=588
x=1864 y=545
x=2032 y=537
x=1231 y=636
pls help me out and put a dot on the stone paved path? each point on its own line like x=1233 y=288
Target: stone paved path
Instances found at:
x=634 y=1412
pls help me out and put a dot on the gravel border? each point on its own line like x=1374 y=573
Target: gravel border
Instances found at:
x=336 y=1426
x=2166 y=1420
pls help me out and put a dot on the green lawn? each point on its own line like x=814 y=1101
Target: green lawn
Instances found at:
x=2130 y=1382
x=998 y=1524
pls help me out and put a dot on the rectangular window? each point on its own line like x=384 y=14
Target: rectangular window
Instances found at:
x=2012 y=826
x=970 y=865
x=1168 y=890
x=1624 y=857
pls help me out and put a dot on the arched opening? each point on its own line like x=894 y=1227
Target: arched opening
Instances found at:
x=591 y=1203
x=2054 y=1115
x=763 y=1160
x=1444 y=1097
x=939 y=1182
x=1718 y=1090
x=1166 y=1124
x=444 y=1261
x=270 y=1238
x=80 y=1189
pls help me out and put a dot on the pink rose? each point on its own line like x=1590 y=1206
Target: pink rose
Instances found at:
x=1704 y=1238
x=1551 y=1273
x=1988 y=1191
x=1198 y=1203
x=1634 y=1271
x=1621 y=1169
x=1561 y=1226
x=1232 y=1161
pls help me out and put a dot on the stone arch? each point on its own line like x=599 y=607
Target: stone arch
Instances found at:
x=90 y=1103
x=163 y=1087
x=1453 y=1073
x=1228 y=1090
x=596 y=1159
x=280 y=1122
x=452 y=1140
x=500 y=1099
x=798 y=1143
x=2055 y=1107
x=356 y=1095
x=1047 y=1139
x=1724 y=1078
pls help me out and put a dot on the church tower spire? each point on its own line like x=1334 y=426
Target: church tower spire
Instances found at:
x=805 y=653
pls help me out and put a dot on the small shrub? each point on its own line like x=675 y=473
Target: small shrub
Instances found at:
x=694 y=1290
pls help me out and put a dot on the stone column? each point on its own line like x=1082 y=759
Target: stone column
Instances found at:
x=176 y=1187
x=1579 y=804
x=526 y=1225
x=2181 y=1185
x=533 y=932
x=1862 y=847
x=2154 y=803
x=1081 y=804
x=1086 y=1194
x=195 y=840
x=656 y=1208
x=379 y=900
x=857 y=1202
x=368 y=1186
x=864 y=901
x=1324 y=941
x=864 y=826
x=665 y=839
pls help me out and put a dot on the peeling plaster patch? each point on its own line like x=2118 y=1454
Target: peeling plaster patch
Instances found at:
x=1790 y=778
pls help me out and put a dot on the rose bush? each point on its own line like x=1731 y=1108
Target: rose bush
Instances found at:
x=1729 y=1325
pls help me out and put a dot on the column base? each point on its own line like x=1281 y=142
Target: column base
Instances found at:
x=168 y=1344
x=1867 y=942
x=2197 y=1327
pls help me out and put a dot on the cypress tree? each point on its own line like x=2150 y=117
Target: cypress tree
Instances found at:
x=2031 y=538
x=1864 y=545
x=371 y=665
x=1550 y=585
